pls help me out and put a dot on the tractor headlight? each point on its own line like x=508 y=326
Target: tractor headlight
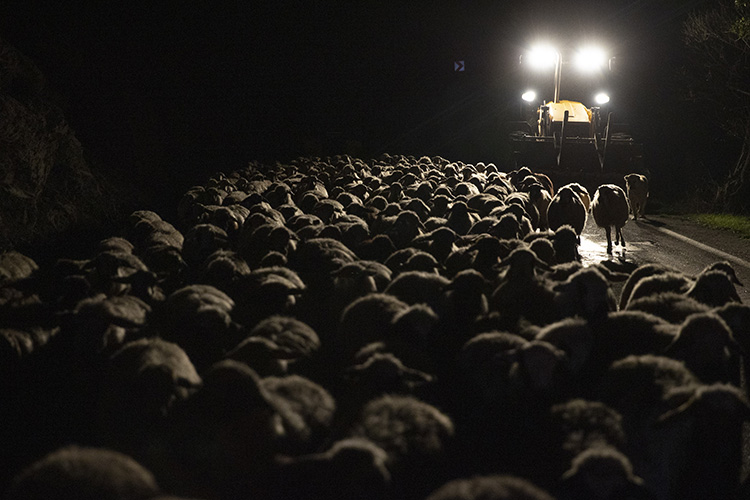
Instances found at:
x=590 y=59
x=601 y=98
x=529 y=96
x=542 y=57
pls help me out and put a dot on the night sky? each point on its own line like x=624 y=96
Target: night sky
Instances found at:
x=187 y=88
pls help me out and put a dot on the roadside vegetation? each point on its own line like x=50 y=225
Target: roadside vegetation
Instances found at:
x=738 y=224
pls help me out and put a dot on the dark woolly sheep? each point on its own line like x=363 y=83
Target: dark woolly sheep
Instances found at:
x=314 y=405
x=201 y=241
x=86 y=474
x=292 y=336
x=439 y=243
x=414 y=287
x=541 y=198
x=265 y=292
x=521 y=292
x=460 y=217
x=222 y=268
x=585 y=293
x=225 y=435
x=602 y=473
x=566 y=208
x=483 y=366
x=543 y=249
x=384 y=373
x=712 y=464
x=705 y=344
x=141 y=383
x=102 y=324
x=416 y=437
x=582 y=193
x=261 y=354
x=580 y=425
x=673 y=307
x=636 y=276
x=319 y=476
x=574 y=336
x=610 y=209
x=364 y=321
x=714 y=288
x=494 y=487
x=17 y=345
x=565 y=241
x=638 y=387
x=115 y=272
x=675 y=282
x=465 y=301
x=198 y=318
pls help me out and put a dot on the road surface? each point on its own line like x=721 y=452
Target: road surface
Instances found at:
x=672 y=241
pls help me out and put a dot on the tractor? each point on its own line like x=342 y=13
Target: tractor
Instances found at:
x=571 y=142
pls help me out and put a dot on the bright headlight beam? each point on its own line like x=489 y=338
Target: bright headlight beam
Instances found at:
x=601 y=98
x=529 y=96
x=589 y=59
x=542 y=57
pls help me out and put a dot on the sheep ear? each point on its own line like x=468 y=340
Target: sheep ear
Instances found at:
x=679 y=412
x=541 y=264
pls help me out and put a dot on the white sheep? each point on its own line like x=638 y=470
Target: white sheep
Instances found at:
x=610 y=209
x=637 y=188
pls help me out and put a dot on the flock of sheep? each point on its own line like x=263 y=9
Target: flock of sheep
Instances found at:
x=403 y=328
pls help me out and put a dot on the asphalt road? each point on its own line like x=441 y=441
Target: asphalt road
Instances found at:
x=673 y=241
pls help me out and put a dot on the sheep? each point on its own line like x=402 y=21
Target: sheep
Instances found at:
x=602 y=473
x=198 y=318
x=586 y=293
x=439 y=243
x=225 y=435
x=364 y=321
x=490 y=487
x=637 y=189
x=103 y=324
x=565 y=242
x=317 y=476
x=201 y=241
x=141 y=383
x=86 y=473
x=481 y=369
x=384 y=373
x=705 y=344
x=416 y=437
x=414 y=287
x=520 y=287
x=313 y=403
x=636 y=276
x=638 y=387
x=541 y=198
x=292 y=335
x=671 y=306
x=582 y=425
x=610 y=209
x=583 y=193
x=567 y=208
x=712 y=463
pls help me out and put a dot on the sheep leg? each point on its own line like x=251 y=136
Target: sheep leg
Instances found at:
x=608 y=232
x=619 y=240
